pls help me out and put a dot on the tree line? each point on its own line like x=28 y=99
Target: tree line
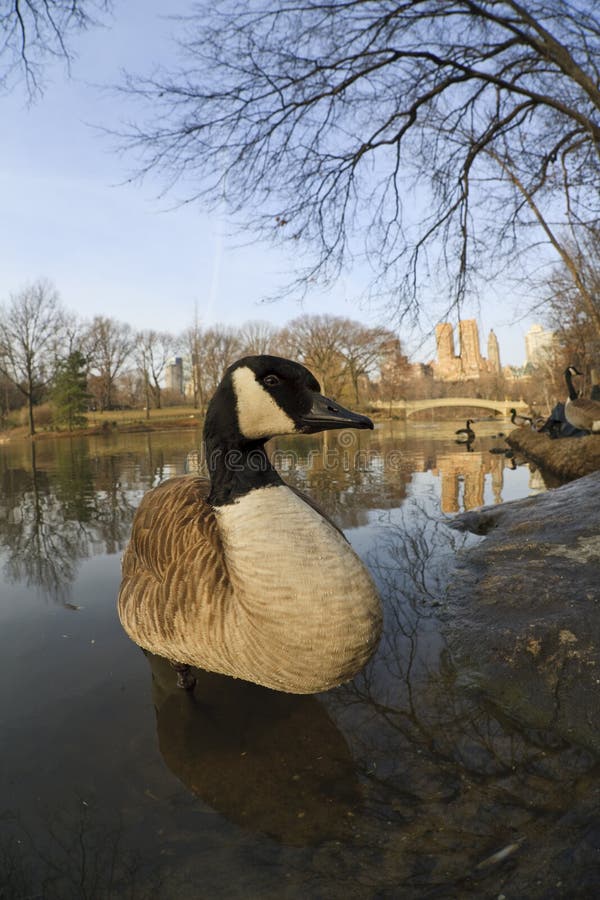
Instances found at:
x=49 y=353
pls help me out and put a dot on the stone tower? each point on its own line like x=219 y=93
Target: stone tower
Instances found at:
x=493 y=354
x=472 y=362
x=445 y=342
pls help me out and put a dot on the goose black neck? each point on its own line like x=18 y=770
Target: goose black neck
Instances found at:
x=572 y=392
x=236 y=470
x=236 y=464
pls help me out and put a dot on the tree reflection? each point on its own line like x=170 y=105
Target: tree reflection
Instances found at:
x=79 y=853
x=52 y=517
x=457 y=779
x=42 y=546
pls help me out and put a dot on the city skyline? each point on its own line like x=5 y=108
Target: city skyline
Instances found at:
x=469 y=362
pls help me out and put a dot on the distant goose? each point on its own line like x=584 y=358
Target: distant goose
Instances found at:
x=466 y=435
x=241 y=574
x=580 y=412
x=519 y=420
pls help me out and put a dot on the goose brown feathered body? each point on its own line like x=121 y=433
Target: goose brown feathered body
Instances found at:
x=519 y=420
x=257 y=584
x=580 y=412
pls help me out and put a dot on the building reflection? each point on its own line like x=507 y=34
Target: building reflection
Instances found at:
x=463 y=477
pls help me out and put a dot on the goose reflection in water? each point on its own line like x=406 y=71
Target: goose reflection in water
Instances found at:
x=270 y=762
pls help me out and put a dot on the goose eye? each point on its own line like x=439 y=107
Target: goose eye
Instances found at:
x=271 y=380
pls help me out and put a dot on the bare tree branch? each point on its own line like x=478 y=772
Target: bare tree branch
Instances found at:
x=33 y=31
x=365 y=128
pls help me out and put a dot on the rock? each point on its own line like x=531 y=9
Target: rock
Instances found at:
x=524 y=608
x=565 y=457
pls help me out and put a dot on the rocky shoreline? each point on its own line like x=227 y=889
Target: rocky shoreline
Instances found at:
x=523 y=618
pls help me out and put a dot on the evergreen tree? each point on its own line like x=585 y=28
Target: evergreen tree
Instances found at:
x=70 y=396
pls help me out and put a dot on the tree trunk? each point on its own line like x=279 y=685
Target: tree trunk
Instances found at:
x=30 y=415
x=147 y=392
x=586 y=296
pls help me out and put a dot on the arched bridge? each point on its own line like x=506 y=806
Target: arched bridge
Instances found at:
x=408 y=407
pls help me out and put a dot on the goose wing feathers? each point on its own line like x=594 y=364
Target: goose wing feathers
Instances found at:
x=583 y=413
x=171 y=520
x=174 y=568
x=174 y=572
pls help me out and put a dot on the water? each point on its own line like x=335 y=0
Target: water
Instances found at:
x=403 y=783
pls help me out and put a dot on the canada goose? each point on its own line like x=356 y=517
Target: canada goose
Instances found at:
x=466 y=435
x=580 y=412
x=241 y=574
x=520 y=420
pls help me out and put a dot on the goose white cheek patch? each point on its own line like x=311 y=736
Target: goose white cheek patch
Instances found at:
x=258 y=413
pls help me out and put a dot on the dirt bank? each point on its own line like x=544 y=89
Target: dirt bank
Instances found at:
x=565 y=457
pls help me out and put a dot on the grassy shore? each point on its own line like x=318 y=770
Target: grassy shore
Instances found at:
x=110 y=421
x=127 y=421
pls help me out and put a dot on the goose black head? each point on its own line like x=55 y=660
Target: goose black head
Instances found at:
x=264 y=396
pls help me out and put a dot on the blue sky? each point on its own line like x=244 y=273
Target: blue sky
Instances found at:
x=116 y=248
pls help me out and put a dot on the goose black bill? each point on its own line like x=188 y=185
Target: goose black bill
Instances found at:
x=326 y=414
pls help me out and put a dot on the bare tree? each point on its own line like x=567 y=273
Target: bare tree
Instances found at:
x=330 y=121
x=191 y=340
x=152 y=351
x=317 y=341
x=10 y=398
x=362 y=348
x=219 y=347
x=35 y=31
x=258 y=337
x=568 y=307
x=31 y=327
x=108 y=347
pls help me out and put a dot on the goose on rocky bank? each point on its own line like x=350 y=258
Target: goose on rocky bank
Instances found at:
x=579 y=411
x=520 y=420
x=241 y=574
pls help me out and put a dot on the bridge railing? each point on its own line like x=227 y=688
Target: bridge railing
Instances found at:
x=411 y=406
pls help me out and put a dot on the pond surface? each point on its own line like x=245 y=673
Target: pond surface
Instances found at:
x=402 y=783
